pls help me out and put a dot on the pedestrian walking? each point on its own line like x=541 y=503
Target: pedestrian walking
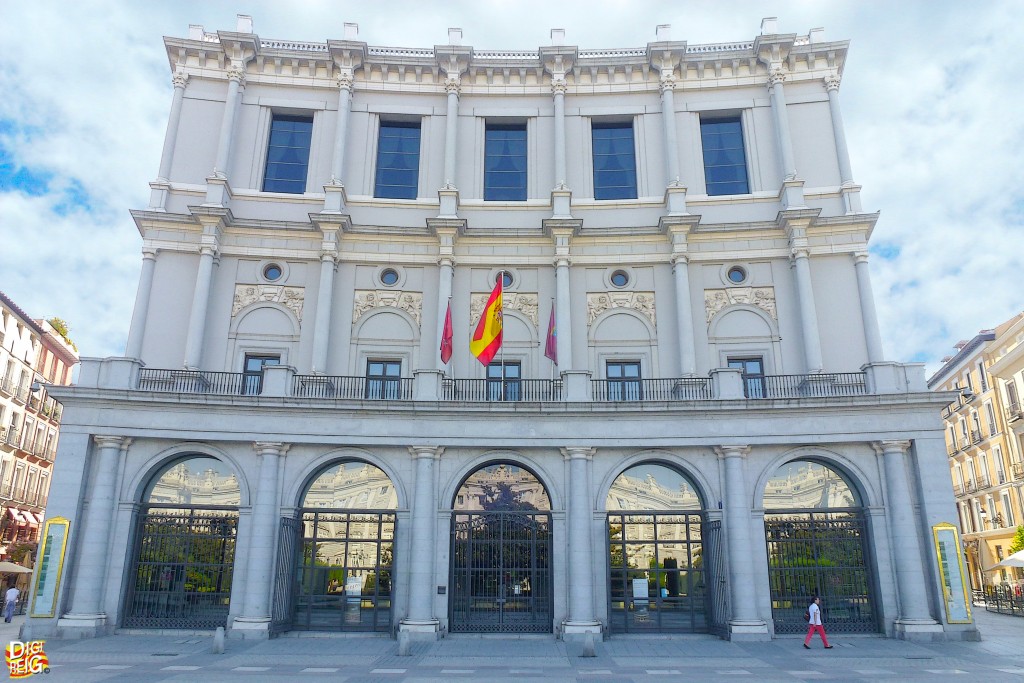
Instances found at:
x=10 y=600
x=814 y=624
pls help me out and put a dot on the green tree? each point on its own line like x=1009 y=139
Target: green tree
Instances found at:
x=1018 y=540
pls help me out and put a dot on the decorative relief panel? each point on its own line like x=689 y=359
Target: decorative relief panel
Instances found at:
x=292 y=298
x=599 y=302
x=717 y=299
x=367 y=299
x=513 y=301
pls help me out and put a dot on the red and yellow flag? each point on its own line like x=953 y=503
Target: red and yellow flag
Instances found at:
x=486 y=340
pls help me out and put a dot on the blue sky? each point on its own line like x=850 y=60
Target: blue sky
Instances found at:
x=931 y=105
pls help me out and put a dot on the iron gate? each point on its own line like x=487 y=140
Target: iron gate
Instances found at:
x=826 y=554
x=718 y=587
x=658 y=574
x=282 y=611
x=344 y=570
x=501 y=572
x=181 y=569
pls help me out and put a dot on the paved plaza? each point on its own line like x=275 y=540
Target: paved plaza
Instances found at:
x=134 y=658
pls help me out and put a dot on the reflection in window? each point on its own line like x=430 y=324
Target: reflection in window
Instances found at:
x=614 y=160
x=502 y=486
x=505 y=162
x=804 y=484
x=199 y=480
x=352 y=484
x=398 y=160
x=383 y=379
x=651 y=486
x=725 y=163
x=288 y=154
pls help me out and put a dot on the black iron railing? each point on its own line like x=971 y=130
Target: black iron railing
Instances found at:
x=193 y=382
x=1005 y=600
x=337 y=386
x=816 y=385
x=679 y=389
x=485 y=390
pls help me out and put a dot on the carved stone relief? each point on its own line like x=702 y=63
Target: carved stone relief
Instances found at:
x=511 y=301
x=599 y=302
x=367 y=299
x=717 y=299
x=292 y=298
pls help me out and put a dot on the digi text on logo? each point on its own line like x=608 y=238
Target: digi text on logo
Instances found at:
x=26 y=659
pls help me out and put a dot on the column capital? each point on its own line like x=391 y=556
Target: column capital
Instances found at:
x=453 y=84
x=667 y=82
x=237 y=74
x=891 y=446
x=106 y=441
x=799 y=252
x=561 y=260
x=270 y=447
x=724 y=452
x=776 y=76
x=208 y=250
x=433 y=452
x=179 y=79
x=149 y=253
x=447 y=260
x=832 y=82
x=328 y=256
x=860 y=256
x=559 y=85
x=345 y=79
x=578 y=452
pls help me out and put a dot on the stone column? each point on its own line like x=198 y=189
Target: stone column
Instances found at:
x=808 y=314
x=668 y=120
x=259 y=557
x=170 y=138
x=236 y=83
x=423 y=547
x=444 y=293
x=558 y=88
x=776 y=78
x=842 y=152
x=324 y=301
x=451 y=128
x=563 y=305
x=872 y=335
x=580 y=560
x=745 y=622
x=137 y=331
x=341 y=128
x=200 y=304
x=94 y=536
x=906 y=539
x=684 y=316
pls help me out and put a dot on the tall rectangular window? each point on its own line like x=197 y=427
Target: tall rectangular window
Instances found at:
x=614 y=160
x=252 y=373
x=503 y=381
x=753 y=375
x=725 y=163
x=505 y=162
x=398 y=160
x=624 y=381
x=288 y=154
x=384 y=379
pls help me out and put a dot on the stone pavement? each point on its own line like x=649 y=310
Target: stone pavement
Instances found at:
x=356 y=659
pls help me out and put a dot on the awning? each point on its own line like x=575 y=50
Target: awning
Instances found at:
x=30 y=517
x=39 y=516
x=15 y=514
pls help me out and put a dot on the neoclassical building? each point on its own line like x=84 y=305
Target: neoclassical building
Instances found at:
x=714 y=436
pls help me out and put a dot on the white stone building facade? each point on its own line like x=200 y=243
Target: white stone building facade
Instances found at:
x=688 y=212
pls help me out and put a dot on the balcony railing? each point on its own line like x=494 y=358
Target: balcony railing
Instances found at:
x=682 y=389
x=502 y=390
x=7 y=385
x=965 y=443
x=325 y=386
x=975 y=436
x=958 y=490
x=12 y=437
x=969 y=487
x=1013 y=412
x=818 y=385
x=192 y=381
x=21 y=394
x=982 y=481
x=1018 y=470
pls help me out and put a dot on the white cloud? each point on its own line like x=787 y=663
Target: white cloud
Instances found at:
x=930 y=103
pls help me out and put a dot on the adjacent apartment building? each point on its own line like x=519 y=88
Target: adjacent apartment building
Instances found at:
x=983 y=439
x=690 y=424
x=32 y=353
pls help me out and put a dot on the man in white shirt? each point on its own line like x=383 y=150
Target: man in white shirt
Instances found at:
x=10 y=600
x=814 y=624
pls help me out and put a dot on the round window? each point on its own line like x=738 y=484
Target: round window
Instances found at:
x=620 y=278
x=389 y=277
x=737 y=275
x=272 y=272
x=506 y=279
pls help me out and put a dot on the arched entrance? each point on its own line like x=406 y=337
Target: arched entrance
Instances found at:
x=817 y=545
x=657 y=553
x=344 y=559
x=501 y=553
x=184 y=548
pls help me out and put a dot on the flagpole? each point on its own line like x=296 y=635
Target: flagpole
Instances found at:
x=451 y=363
x=546 y=340
x=501 y=349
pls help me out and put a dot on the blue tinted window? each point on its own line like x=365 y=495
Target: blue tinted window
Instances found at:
x=288 y=154
x=614 y=161
x=398 y=160
x=725 y=164
x=505 y=162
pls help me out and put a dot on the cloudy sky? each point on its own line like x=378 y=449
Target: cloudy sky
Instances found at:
x=932 y=103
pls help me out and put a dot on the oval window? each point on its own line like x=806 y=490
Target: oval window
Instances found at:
x=272 y=272
x=737 y=275
x=620 y=278
x=506 y=279
x=389 y=277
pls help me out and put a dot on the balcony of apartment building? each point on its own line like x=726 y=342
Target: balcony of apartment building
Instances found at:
x=7 y=385
x=1013 y=412
x=1018 y=471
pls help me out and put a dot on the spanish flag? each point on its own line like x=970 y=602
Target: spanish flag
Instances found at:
x=486 y=339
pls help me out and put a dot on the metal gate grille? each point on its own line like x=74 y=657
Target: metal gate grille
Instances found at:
x=658 y=572
x=344 y=571
x=283 y=608
x=826 y=554
x=501 y=572
x=181 y=571
x=718 y=587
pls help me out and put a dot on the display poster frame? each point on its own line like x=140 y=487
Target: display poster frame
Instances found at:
x=48 y=576
x=955 y=595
